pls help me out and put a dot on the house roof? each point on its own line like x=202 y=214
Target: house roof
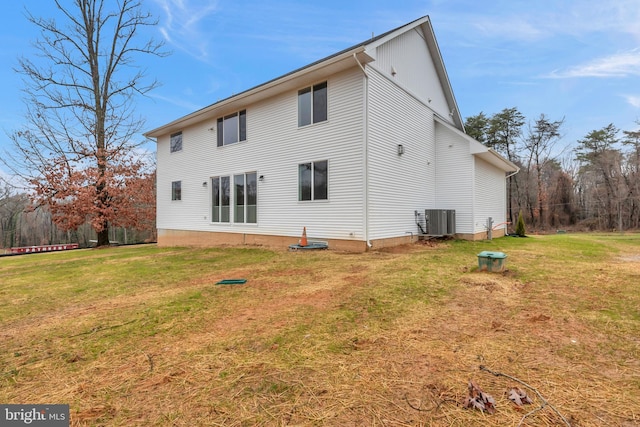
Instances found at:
x=331 y=64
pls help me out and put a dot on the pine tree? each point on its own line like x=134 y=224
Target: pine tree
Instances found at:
x=520 y=230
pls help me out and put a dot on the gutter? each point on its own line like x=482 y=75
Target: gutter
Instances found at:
x=256 y=91
x=512 y=174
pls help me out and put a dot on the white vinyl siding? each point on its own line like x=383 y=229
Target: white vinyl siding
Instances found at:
x=455 y=183
x=275 y=149
x=407 y=61
x=490 y=195
x=398 y=184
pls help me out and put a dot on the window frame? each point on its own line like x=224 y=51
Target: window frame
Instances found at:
x=176 y=191
x=249 y=213
x=240 y=128
x=221 y=203
x=173 y=148
x=308 y=95
x=228 y=213
x=313 y=185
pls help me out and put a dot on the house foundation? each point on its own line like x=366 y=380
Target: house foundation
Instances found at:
x=168 y=238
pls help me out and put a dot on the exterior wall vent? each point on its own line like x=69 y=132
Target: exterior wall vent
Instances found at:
x=440 y=222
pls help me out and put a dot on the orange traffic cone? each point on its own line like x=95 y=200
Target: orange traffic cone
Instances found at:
x=303 y=241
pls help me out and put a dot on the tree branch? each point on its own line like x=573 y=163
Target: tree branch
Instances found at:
x=544 y=401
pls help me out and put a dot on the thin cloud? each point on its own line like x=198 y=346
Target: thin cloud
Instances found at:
x=179 y=102
x=633 y=100
x=511 y=27
x=596 y=16
x=540 y=22
x=623 y=64
x=183 y=25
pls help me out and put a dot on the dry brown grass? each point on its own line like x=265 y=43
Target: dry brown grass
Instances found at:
x=383 y=338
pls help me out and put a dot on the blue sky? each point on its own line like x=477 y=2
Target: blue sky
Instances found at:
x=577 y=59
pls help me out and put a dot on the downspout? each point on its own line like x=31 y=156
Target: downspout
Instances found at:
x=365 y=131
x=360 y=65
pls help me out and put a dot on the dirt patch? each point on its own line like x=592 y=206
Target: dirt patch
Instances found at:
x=418 y=246
x=630 y=258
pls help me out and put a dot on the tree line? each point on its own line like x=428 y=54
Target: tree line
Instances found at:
x=24 y=223
x=593 y=186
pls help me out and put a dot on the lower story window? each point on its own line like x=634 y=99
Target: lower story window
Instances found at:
x=244 y=198
x=221 y=189
x=176 y=190
x=313 y=179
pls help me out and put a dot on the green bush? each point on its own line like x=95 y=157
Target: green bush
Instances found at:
x=520 y=230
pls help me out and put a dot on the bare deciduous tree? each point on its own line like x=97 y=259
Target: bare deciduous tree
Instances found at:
x=538 y=145
x=632 y=175
x=12 y=206
x=77 y=150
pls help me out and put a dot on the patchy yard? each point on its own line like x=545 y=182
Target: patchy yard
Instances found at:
x=144 y=336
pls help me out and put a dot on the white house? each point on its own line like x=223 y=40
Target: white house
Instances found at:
x=354 y=147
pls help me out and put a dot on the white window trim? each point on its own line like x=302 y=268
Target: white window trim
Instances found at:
x=298 y=106
x=313 y=199
x=232 y=198
x=222 y=118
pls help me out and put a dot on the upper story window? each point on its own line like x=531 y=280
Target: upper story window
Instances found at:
x=176 y=190
x=232 y=128
x=312 y=104
x=175 y=142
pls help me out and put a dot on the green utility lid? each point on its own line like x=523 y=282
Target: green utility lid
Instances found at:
x=232 y=282
x=495 y=255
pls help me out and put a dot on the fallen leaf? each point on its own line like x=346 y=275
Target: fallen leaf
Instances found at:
x=479 y=399
x=519 y=396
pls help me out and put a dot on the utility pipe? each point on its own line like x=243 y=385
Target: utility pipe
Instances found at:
x=365 y=131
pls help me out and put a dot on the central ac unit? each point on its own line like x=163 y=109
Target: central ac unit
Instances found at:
x=440 y=222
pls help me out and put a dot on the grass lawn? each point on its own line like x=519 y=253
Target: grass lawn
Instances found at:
x=143 y=336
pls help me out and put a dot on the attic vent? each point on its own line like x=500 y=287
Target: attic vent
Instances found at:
x=440 y=222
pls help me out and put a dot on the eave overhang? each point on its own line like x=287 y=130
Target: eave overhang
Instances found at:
x=291 y=81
